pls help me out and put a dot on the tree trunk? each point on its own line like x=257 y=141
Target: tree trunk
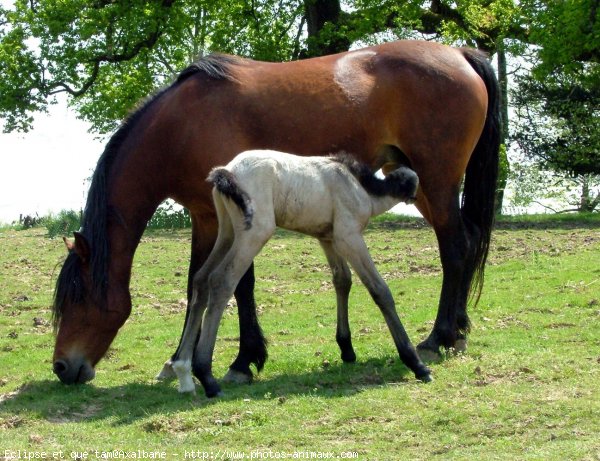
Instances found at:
x=504 y=165
x=587 y=203
x=324 y=20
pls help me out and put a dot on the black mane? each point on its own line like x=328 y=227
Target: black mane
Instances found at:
x=70 y=285
x=394 y=184
x=216 y=66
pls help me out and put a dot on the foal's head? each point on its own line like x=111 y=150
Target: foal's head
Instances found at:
x=402 y=183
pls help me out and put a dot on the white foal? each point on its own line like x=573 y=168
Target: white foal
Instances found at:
x=330 y=198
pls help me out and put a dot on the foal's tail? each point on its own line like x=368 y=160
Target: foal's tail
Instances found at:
x=226 y=183
x=481 y=178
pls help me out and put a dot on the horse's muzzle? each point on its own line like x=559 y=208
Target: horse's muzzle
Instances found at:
x=73 y=371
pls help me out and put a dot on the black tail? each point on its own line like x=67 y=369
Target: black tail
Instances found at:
x=481 y=177
x=226 y=183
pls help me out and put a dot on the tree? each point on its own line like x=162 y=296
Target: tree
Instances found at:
x=567 y=33
x=557 y=131
x=105 y=55
x=558 y=101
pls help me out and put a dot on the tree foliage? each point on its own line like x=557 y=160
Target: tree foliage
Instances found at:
x=559 y=126
x=557 y=101
x=108 y=54
x=105 y=55
x=567 y=33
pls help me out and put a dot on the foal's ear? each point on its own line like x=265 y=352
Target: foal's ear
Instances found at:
x=388 y=167
x=80 y=246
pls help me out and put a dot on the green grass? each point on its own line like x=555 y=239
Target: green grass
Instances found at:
x=526 y=389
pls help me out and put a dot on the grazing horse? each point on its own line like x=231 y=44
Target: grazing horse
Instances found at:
x=424 y=105
x=329 y=198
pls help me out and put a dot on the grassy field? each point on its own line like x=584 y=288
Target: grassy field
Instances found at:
x=528 y=388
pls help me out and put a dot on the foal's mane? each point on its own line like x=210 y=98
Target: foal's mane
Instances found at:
x=392 y=185
x=70 y=285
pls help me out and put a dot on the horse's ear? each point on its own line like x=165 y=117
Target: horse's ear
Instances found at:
x=70 y=245
x=81 y=246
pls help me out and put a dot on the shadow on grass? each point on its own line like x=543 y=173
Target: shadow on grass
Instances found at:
x=59 y=403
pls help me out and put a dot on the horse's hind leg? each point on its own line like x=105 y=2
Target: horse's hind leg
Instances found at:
x=456 y=254
x=342 y=281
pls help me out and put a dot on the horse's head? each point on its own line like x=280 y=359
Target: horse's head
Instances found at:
x=85 y=325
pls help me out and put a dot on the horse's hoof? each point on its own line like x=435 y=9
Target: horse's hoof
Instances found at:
x=348 y=357
x=425 y=378
x=167 y=373
x=460 y=346
x=212 y=391
x=237 y=377
x=429 y=356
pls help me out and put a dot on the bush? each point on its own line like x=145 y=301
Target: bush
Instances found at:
x=63 y=224
x=170 y=216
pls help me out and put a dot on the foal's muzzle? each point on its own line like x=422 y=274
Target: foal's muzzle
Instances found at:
x=73 y=371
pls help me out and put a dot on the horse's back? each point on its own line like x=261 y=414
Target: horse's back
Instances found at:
x=422 y=98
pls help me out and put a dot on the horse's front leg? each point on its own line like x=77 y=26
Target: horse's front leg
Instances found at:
x=253 y=345
x=342 y=281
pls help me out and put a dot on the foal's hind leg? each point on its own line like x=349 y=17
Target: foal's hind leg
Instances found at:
x=204 y=233
x=253 y=346
x=355 y=250
x=222 y=282
x=182 y=365
x=342 y=281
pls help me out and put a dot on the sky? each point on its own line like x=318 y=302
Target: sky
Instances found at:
x=45 y=170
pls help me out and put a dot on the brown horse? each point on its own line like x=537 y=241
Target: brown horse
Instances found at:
x=421 y=104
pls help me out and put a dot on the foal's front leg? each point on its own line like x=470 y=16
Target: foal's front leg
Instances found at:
x=342 y=281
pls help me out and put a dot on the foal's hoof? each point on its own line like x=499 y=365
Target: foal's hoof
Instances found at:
x=429 y=356
x=237 y=377
x=167 y=373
